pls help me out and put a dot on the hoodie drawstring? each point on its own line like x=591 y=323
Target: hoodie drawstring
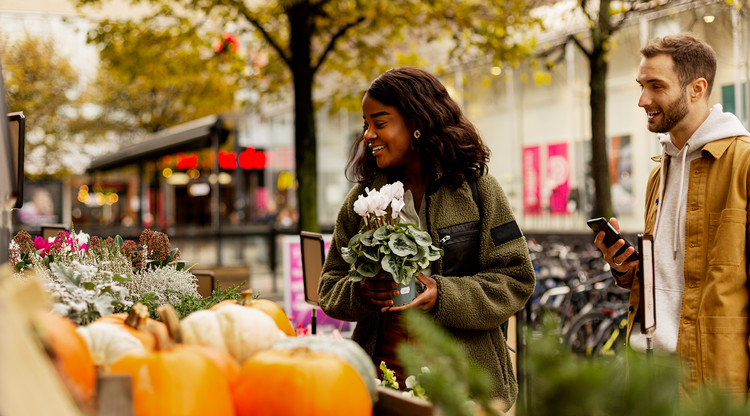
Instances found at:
x=675 y=239
x=660 y=198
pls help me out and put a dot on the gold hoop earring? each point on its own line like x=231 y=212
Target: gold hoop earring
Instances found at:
x=417 y=134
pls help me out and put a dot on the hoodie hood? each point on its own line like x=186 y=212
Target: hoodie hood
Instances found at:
x=718 y=125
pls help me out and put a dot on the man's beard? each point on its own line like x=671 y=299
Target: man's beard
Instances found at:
x=673 y=114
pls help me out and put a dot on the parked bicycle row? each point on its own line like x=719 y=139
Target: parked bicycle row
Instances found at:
x=575 y=289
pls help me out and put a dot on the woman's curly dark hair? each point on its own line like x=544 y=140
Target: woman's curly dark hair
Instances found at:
x=448 y=139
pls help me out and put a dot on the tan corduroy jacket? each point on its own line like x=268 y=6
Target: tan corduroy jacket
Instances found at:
x=714 y=330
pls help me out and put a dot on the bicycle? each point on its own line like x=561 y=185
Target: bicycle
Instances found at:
x=599 y=332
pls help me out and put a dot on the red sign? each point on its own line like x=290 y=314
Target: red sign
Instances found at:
x=252 y=159
x=531 y=188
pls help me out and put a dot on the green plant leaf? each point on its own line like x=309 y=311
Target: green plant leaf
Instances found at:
x=420 y=254
x=434 y=254
x=354 y=240
x=401 y=245
x=382 y=233
x=421 y=237
x=392 y=265
x=373 y=255
x=407 y=273
x=367 y=239
x=368 y=269
x=348 y=255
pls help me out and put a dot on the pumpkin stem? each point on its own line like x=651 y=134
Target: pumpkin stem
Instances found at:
x=137 y=317
x=171 y=319
x=246 y=298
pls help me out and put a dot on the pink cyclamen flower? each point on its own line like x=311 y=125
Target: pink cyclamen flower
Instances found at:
x=40 y=243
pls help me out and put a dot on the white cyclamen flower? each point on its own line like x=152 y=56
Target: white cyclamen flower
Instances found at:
x=387 y=191
x=379 y=203
x=396 y=206
x=398 y=190
x=360 y=206
x=82 y=238
x=372 y=194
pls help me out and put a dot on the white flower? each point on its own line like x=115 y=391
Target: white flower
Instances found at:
x=379 y=203
x=387 y=191
x=82 y=238
x=360 y=206
x=410 y=382
x=398 y=190
x=396 y=206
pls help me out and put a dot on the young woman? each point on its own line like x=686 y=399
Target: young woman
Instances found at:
x=415 y=133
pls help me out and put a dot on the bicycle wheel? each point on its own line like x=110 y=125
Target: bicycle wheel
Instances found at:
x=582 y=334
x=611 y=338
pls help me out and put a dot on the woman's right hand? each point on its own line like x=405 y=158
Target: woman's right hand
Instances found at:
x=378 y=291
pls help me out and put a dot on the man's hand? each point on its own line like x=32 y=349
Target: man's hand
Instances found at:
x=616 y=263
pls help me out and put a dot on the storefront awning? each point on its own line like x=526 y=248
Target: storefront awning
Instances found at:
x=192 y=135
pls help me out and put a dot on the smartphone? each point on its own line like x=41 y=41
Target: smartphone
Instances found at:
x=610 y=235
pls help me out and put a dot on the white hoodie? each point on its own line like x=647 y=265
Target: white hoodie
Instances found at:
x=669 y=230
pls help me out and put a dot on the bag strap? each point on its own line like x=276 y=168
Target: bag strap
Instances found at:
x=472 y=179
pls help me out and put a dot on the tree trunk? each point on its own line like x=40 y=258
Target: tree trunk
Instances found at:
x=599 y=161
x=305 y=142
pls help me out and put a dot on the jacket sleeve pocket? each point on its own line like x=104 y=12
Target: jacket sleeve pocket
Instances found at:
x=460 y=244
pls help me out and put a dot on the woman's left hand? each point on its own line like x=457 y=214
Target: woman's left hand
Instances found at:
x=425 y=301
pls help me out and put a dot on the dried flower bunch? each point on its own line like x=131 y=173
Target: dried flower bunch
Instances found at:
x=91 y=276
x=385 y=242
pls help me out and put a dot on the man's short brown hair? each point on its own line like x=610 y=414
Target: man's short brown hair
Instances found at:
x=693 y=58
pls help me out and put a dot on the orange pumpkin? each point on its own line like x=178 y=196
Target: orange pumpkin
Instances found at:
x=300 y=381
x=264 y=305
x=137 y=323
x=176 y=379
x=225 y=362
x=70 y=354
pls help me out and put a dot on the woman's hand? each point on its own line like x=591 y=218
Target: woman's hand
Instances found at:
x=425 y=301
x=379 y=291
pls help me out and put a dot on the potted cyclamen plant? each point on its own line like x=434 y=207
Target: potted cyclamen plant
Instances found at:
x=385 y=242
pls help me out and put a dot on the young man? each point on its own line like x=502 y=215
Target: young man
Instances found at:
x=697 y=211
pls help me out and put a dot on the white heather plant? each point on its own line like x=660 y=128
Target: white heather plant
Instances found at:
x=89 y=277
x=165 y=282
x=385 y=242
x=83 y=293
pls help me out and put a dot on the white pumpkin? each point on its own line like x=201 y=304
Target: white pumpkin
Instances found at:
x=108 y=342
x=234 y=329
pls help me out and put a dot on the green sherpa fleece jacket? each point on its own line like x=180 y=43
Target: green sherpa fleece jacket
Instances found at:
x=471 y=307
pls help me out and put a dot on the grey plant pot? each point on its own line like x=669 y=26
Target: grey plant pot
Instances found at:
x=407 y=293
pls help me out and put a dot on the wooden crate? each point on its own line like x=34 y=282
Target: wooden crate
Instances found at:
x=393 y=403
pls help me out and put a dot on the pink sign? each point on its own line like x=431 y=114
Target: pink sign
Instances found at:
x=531 y=198
x=299 y=311
x=558 y=174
